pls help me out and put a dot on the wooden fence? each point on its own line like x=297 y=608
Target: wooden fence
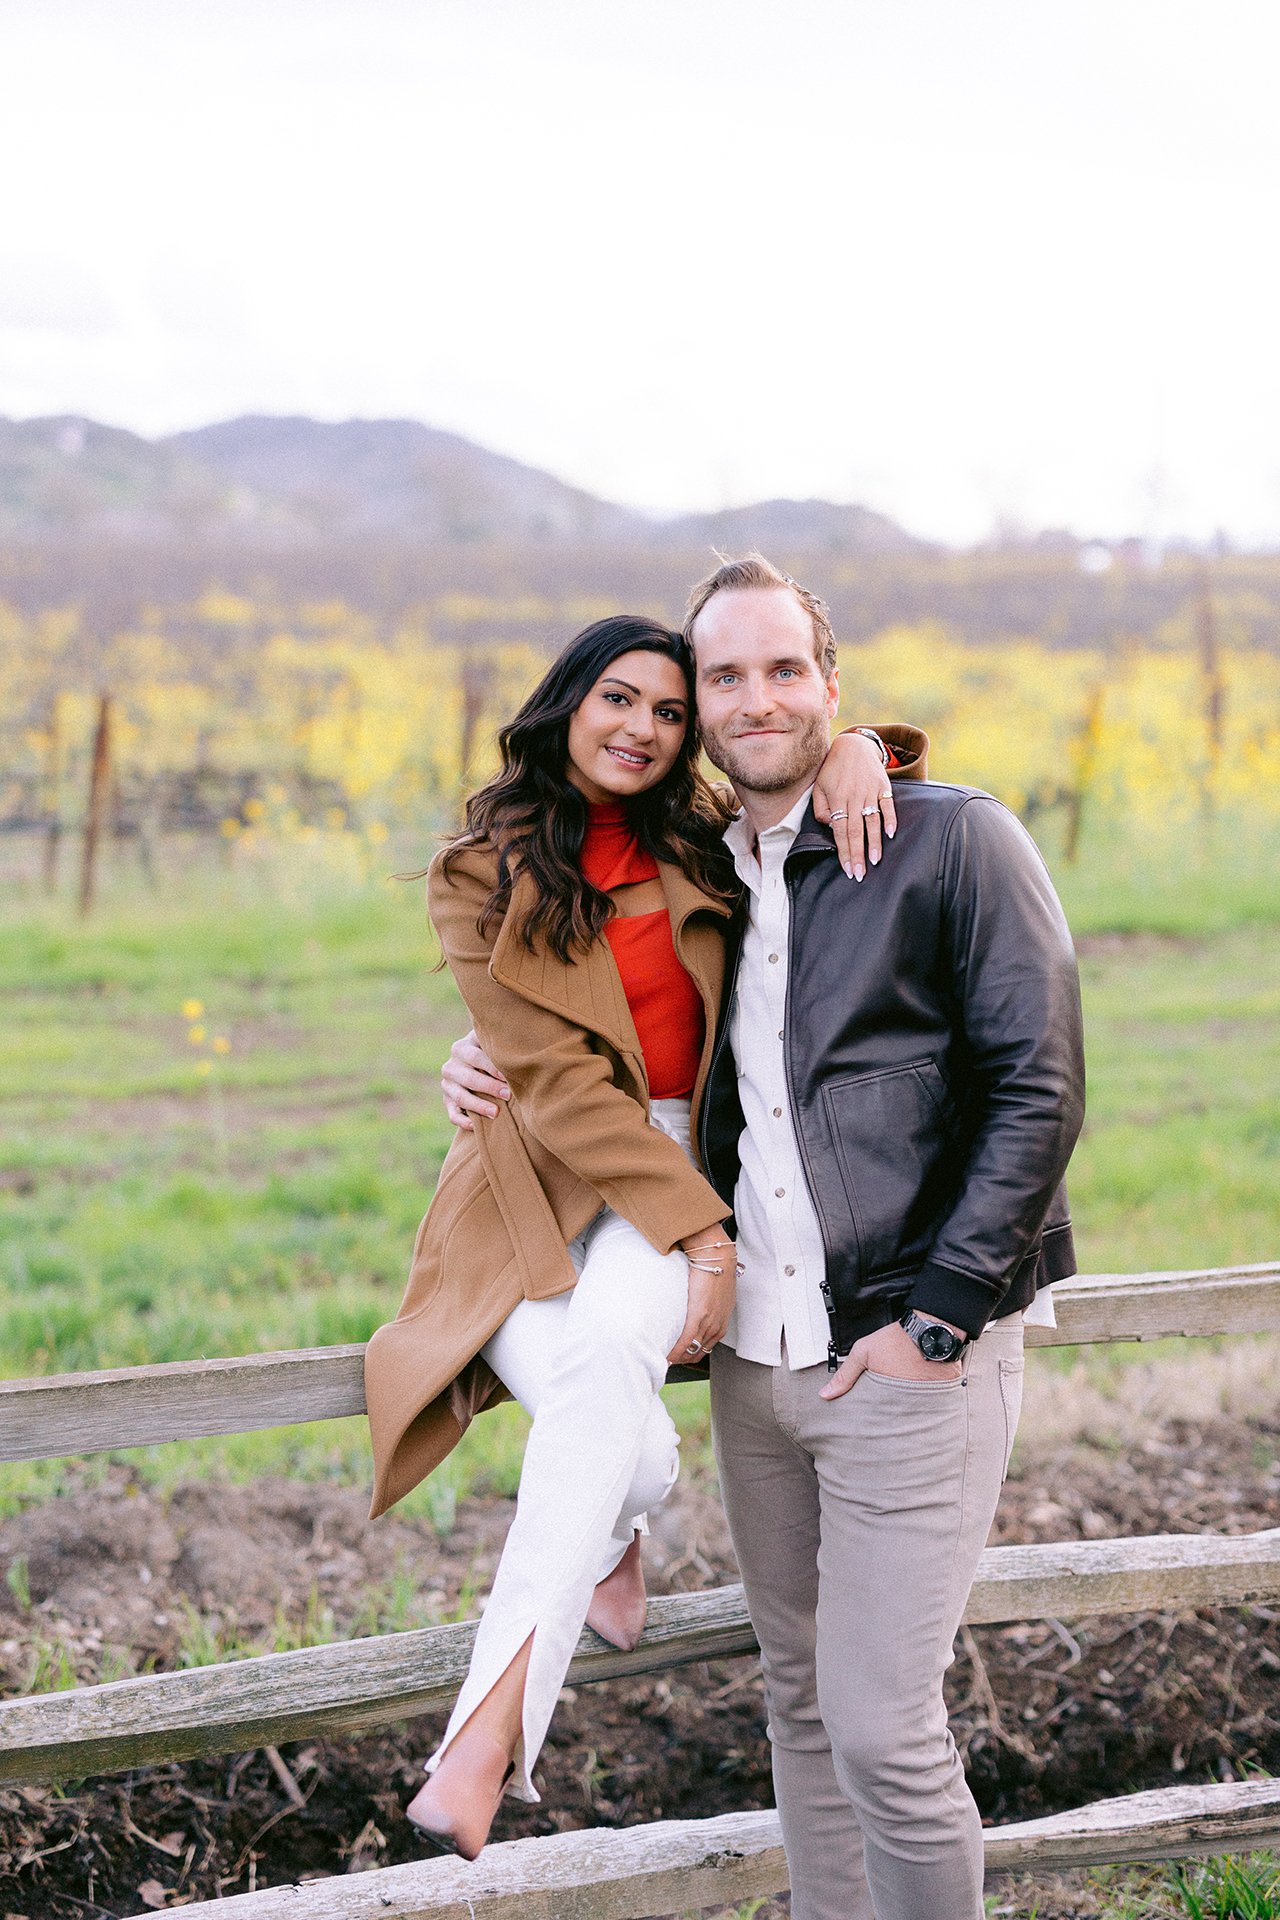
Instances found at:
x=673 y=1866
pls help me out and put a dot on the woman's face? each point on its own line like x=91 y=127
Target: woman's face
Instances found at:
x=627 y=733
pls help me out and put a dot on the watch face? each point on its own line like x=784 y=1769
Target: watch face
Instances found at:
x=938 y=1343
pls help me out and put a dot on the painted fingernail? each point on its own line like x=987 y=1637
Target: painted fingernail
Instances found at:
x=859 y=873
x=875 y=859
x=889 y=832
x=848 y=870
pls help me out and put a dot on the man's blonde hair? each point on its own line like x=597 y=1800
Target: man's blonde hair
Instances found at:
x=754 y=574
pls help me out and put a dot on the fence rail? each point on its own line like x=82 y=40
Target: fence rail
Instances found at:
x=359 y=1684
x=674 y=1865
x=64 y=1413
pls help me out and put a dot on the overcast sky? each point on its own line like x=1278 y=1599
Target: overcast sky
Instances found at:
x=961 y=259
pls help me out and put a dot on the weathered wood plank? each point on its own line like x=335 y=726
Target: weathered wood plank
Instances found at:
x=1097 y=1307
x=1163 y=1573
x=64 y=1413
x=351 y=1684
x=671 y=1867
x=358 y=1684
x=1169 y=1823
x=674 y=1866
x=80 y=1413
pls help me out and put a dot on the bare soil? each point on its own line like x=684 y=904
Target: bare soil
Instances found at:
x=1048 y=1715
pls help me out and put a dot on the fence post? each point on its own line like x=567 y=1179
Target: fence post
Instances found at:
x=95 y=814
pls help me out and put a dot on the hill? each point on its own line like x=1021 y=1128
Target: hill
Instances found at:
x=791 y=526
x=295 y=483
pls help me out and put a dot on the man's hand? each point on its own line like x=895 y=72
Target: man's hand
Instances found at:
x=852 y=793
x=470 y=1083
x=711 y=1295
x=890 y=1350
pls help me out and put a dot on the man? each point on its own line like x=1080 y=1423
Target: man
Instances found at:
x=894 y=1095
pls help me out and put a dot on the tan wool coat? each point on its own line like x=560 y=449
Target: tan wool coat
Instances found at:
x=575 y=1136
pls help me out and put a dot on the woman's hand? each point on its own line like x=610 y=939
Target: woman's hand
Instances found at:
x=712 y=1261
x=852 y=793
x=470 y=1084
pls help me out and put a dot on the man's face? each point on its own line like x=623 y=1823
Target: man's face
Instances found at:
x=764 y=702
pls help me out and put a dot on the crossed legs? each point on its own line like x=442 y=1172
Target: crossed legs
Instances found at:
x=601 y=1451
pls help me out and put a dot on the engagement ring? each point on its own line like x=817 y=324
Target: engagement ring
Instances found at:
x=867 y=811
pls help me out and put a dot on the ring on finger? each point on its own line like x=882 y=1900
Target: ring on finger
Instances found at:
x=841 y=813
x=694 y=1346
x=868 y=811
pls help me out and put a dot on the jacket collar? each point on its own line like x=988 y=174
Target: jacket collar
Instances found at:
x=814 y=835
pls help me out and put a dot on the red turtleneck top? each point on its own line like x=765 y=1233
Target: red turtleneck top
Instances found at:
x=664 y=1001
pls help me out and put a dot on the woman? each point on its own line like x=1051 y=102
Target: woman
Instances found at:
x=572 y=1249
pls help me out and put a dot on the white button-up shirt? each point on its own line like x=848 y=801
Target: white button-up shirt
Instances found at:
x=780 y=1245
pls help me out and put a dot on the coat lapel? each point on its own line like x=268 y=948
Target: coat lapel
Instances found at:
x=587 y=988
x=699 y=942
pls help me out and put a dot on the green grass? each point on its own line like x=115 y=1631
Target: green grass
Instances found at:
x=147 y=1213
x=1233 y=1887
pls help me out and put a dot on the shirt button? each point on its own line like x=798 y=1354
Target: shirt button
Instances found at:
x=779 y=1193
x=779 y=1033
x=772 y=957
x=788 y=1270
x=777 y=1113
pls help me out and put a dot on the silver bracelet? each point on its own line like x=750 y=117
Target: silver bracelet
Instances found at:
x=869 y=733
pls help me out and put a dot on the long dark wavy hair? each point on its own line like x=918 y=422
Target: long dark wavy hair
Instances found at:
x=535 y=818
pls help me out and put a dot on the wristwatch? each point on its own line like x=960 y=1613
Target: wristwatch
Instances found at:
x=935 y=1341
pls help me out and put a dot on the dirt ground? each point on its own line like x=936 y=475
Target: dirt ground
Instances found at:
x=1048 y=1715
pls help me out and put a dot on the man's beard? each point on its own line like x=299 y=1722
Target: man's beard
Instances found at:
x=790 y=764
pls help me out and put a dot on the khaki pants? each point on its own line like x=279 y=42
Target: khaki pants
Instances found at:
x=858 y=1524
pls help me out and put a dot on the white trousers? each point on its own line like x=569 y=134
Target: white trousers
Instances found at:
x=601 y=1452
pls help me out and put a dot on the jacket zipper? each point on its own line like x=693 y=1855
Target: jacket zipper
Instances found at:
x=716 y=1052
x=828 y=1298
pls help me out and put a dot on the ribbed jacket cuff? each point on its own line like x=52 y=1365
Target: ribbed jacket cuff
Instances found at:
x=951 y=1295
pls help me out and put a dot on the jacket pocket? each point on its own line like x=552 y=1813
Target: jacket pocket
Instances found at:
x=1011 y=1378
x=890 y=1135
x=527 y=1214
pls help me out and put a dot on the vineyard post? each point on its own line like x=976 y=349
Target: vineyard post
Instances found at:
x=99 y=785
x=1087 y=744
x=52 y=795
x=1214 y=690
x=477 y=686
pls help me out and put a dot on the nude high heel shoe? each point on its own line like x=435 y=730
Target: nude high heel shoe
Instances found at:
x=454 y=1810
x=619 y=1605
